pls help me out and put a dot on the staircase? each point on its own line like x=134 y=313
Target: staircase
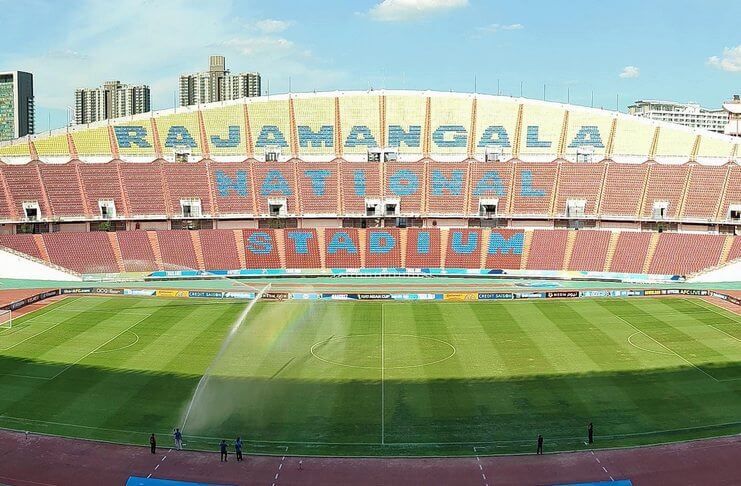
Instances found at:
x=362 y=236
x=39 y=240
x=644 y=192
x=570 y=241
x=685 y=191
x=526 y=248
x=195 y=238
x=280 y=241
x=485 y=235
x=320 y=242
x=152 y=235
x=726 y=251
x=403 y=237
x=116 y=251
x=650 y=253
x=241 y=254
x=443 y=246
x=611 y=247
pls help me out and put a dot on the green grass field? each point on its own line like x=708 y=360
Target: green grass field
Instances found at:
x=372 y=378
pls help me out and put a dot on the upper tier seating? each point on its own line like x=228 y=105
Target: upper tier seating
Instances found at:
x=359 y=181
x=447 y=185
x=91 y=253
x=533 y=188
x=317 y=187
x=703 y=196
x=405 y=182
x=665 y=184
x=63 y=189
x=24 y=184
x=143 y=187
x=622 y=189
x=579 y=182
x=232 y=188
x=187 y=181
x=101 y=183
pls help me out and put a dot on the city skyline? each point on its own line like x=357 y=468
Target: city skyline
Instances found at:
x=571 y=50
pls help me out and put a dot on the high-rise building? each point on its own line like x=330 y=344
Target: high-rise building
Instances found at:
x=217 y=84
x=112 y=100
x=687 y=114
x=16 y=105
x=733 y=107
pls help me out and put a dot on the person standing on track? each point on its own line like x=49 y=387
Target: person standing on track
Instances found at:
x=540 y=445
x=590 y=432
x=238 y=448
x=223 y=449
x=153 y=443
x=178 y=440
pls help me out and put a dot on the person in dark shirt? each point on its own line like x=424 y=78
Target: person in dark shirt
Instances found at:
x=178 y=436
x=238 y=448
x=223 y=449
x=540 y=444
x=153 y=443
x=590 y=432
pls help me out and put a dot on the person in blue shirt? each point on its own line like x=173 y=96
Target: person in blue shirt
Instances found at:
x=178 y=439
x=223 y=448
x=238 y=448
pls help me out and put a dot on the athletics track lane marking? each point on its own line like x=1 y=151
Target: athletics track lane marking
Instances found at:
x=158 y=465
x=280 y=467
x=481 y=467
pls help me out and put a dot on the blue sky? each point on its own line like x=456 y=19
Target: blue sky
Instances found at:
x=620 y=50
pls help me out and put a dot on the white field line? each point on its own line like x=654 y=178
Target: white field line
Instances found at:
x=644 y=349
x=97 y=348
x=718 y=314
x=671 y=351
x=122 y=347
x=383 y=377
x=38 y=333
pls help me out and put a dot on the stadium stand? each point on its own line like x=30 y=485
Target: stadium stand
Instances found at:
x=317 y=188
x=63 y=189
x=100 y=182
x=233 y=193
x=143 y=187
x=177 y=250
x=630 y=252
x=547 y=250
x=678 y=253
x=24 y=185
x=220 y=250
x=703 y=193
x=590 y=250
x=262 y=248
x=490 y=182
x=343 y=248
x=22 y=243
x=504 y=249
x=665 y=185
x=423 y=248
x=732 y=193
x=623 y=187
x=91 y=254
x=405 y=182
x=448 y=186
x=136 y=251
x=359 y=181
x=383 y=248
x=463 y=248
x=275 y=180
x=302 y=248
x=187 y=183
x=533 y=188
x=579 y=182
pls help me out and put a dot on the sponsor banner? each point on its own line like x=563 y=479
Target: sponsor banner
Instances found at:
x=205 y=294
x=460 y=296
x=239 y=295
x=413 y=296
x=374 y=296
x=139 y=292
x=30 y=300
x=561 y=294
x=276 y=296
x=81 y=290
x=670 y=292
x=108 y=291
x=305 y=296
x=530 y=295
x=495 y=295
x=719 y=296
x=597 y=293
x=652 y=292
x=693 y=292
x=733 y=300
x=170 y=293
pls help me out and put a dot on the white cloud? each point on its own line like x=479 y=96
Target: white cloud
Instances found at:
x=153 y=42
x=401 y=10
x=630 y=72
x=731 y=60
x=493 y=28
x=272 y=26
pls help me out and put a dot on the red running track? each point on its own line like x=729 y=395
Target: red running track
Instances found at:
x=44 y=460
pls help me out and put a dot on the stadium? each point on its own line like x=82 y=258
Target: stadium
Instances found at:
x=379 y=273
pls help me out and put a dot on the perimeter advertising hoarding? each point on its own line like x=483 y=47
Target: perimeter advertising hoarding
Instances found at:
x=276 y=296
x=171 y=293
x=205 y=294
x=239 y=295
x=30 y=300
x=140 y=292
x=530 y=295
x=562 y=294
x=495 y=295
x=81 y=290
x=461 y=296
x=374 y=296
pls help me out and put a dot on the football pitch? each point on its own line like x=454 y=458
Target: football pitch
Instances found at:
x=375 y=378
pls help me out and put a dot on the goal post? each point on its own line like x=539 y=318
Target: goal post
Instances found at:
x=6 y=318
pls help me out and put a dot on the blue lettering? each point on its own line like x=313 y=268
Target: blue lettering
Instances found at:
x=275 y=183
x=464 y=248
x=527 y=188
x=397 y=135
x=587 y=136
x=404 y=182
x=381 y=242
x=532 y=138
x=225 y=184
x=359 y=182
x=178 y=136
x=232 y=141
x=341 y=241
x=489 y=183
x=271 y=135
x=259 y=243
x=502 y=245
x=488 y=137
x=440 y=183
x=300 y=241
x=318 y=180
x=423 y=242
x=458 y=139
x=322 y=138
x=126 y=136
x=360 y=135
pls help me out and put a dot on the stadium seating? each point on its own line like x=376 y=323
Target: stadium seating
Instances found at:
x=579 y=181
x=405 y=182
x=100 y=182
x=630 y=252
x=383 y=248
x=302 y=248
x=703 y=194
x=90 y=254
x=136 y=251
x=547 y=250
x=423 y=248
x=63 y=189
x=504 y=249
x=590 y=250
x=463 y=248
x=261 y=248
x=143 y=188
x=359 y=181
x=233 y=192
x=678 y=253
x=490 y=181
x=448 y=184
x=220 y=250
x=275 y=180
x=623 y=188
x=317 y=187
x=533 y=188
x=665 y=184
x=177 y=250
x=24 y=184
x=733 y=192
x=22 y=243
x=187 y=181
x=343 y=248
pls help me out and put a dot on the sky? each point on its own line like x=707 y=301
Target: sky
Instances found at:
x=614 y=52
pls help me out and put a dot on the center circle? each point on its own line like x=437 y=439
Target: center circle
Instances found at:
x=396 y=351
